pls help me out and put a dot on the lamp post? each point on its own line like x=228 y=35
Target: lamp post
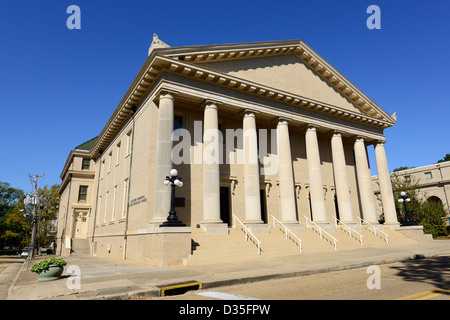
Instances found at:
x=173 y=181
x=33 y=200
x=404 y=199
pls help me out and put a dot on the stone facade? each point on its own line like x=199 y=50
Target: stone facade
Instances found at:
x=266 y=129
x=433 y=183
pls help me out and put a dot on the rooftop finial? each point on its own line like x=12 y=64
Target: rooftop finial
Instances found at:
x=157 y=43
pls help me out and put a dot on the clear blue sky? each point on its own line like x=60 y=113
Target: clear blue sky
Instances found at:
x=58 y=87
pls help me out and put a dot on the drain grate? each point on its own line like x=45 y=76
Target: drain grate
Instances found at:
x=179 y=288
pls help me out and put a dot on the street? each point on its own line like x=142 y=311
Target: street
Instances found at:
x=420 y=279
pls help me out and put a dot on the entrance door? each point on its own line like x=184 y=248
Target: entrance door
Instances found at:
x=225 y=205
x=80 y=231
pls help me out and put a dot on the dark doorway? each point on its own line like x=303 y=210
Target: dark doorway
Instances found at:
x=262 y=198
x=225 y=205
x=336 y=207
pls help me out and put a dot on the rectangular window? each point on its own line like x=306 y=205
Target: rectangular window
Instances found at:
x=128 y=143
x=109 y=161
x=113 y=209
x=117 y=153
x=99 y=210
x=102 y=169
x=125 y=198
x=82 y=193
x=86 y=164
x=428 y=175
x=106 y=206
x=177 y=124
x=408 y=178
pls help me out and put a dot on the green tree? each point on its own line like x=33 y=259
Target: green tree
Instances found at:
x=446 y=158
x=429 y=214
x=9 y=199
x=48 y=210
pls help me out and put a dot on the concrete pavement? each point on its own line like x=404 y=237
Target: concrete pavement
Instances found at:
x=108 y=279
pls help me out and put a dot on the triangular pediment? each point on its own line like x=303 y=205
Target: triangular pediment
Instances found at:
x=287 y=73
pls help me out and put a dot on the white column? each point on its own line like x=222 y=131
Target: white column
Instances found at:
x=285 y=174
x=211 y=161
x=366 y=194
x=384 y=179
x=251 y=170
x=341 y=179
x=163 y=163
x=315 y=176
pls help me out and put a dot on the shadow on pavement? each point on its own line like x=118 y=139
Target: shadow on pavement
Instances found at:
x=434 y=271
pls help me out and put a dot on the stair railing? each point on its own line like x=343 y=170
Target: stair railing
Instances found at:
x=349 y=229
x=375 y=229
x=287 y=232
x=309 y=223
x=247 y=233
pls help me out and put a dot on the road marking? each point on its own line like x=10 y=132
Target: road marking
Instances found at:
x=438 y=293
x=224 y=296
x=427 y=294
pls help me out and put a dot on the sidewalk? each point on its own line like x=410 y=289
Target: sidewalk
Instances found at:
x=102 y=278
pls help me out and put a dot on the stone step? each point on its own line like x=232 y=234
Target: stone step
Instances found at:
x=80 y=247
x=218 y=248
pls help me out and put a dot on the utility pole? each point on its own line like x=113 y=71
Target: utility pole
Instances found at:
x=35 y=202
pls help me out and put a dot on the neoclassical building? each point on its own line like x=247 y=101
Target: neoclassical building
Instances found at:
x=256 y=131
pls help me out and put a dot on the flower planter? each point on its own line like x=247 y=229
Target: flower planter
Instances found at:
x=53 y=273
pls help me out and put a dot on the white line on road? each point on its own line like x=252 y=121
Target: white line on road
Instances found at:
x=224 y=296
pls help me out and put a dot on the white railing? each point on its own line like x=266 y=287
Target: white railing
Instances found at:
x=287 y=232
x=320 y=230
x=375 y=229
x=349 y=229
x=247 y=232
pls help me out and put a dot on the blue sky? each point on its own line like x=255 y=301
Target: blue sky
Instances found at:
x=58 y=87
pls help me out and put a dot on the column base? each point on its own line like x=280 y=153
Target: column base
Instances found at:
x=328 y=227
x=295 y=227
x=214 y=228
x=352 y=224
x=258 y=228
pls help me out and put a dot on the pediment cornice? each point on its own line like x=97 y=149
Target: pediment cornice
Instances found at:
x=187 y=61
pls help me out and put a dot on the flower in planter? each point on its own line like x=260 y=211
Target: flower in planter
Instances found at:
x=44 y=265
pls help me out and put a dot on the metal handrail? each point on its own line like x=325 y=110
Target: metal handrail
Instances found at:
x=321 y=230
x=374 y=229
x=286 y=231
x=247 y=231
x=350 y=229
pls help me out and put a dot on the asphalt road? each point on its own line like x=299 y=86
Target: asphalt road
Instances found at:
x=421 y=279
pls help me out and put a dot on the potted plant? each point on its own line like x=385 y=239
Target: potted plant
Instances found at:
x=49 y=269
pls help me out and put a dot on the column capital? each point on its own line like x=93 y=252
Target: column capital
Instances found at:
x=380 y=142
x=165 y=94
x=210 y=103
x=247 y=112
x=281 y=120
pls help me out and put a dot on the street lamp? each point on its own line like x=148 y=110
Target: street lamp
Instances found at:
x=32 y=200
x=404 y=199
x=173 y=181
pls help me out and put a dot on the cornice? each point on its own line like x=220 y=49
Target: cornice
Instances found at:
x=186 y=61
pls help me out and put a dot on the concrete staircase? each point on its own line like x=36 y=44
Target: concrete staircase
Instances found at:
x=234 y=247
x=80 y=247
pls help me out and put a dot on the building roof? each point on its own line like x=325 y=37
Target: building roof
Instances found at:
x=86 y=145
x=189 y=62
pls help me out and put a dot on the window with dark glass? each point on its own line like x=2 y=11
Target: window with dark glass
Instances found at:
x=86 y=164
x=82 y=194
